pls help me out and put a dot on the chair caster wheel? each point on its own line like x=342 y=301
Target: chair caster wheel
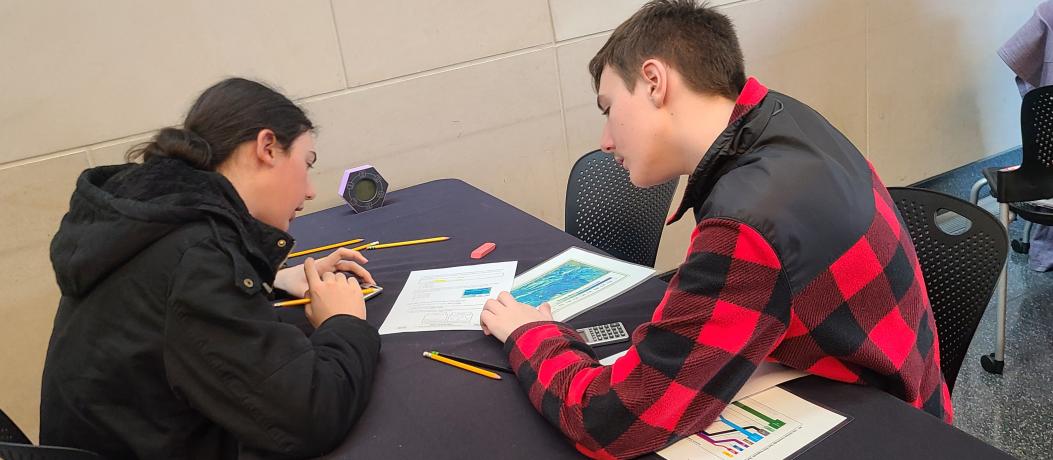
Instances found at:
x=1020 y=246
x=991 y=365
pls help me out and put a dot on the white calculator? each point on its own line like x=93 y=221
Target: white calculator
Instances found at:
x=604 y=334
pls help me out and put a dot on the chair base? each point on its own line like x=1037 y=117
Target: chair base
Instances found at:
x=992 y=365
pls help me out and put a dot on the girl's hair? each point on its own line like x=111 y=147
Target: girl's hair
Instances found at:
x=229 y=113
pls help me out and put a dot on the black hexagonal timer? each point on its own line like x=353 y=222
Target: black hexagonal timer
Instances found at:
x=363 y=188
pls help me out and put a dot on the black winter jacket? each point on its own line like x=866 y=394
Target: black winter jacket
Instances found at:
x=165 y=344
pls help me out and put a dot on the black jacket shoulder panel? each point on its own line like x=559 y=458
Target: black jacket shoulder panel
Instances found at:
x=802 y=185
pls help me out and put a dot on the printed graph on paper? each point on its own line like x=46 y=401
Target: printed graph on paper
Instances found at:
x=742 y=427
x=771 y=425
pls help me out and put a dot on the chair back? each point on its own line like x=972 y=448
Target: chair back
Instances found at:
x=1036 y=130
x=14 y=451
x=9 y=432
x=1033 y=180
x=960 y=268
x=607 y=211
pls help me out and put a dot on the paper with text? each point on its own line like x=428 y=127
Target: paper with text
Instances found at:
x=447 y=299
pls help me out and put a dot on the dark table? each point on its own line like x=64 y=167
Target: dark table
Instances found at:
x=424 y=409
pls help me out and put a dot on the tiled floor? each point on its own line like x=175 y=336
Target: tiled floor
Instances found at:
x=1013 y=411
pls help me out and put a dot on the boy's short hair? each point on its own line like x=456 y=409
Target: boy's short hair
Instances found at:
x=691 y=37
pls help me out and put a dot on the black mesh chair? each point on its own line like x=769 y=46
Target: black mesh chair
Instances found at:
x=962 y=253
x=1015 y=187
x=15 y=445
x=9 y=432
x=607 y=211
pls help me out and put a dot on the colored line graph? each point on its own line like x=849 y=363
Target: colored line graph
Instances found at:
x=758 y=428
x=742 y=426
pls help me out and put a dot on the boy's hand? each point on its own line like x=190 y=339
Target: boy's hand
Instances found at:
x=504 y=315
x=293 y=280
x=331 y=294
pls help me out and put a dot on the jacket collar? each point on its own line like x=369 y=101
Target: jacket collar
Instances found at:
x=268 y=245
x=753 y=109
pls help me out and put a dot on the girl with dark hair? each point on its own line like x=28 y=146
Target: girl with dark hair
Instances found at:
x=165 y=344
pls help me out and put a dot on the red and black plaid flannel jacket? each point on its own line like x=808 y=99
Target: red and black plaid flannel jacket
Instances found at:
x=799 y=257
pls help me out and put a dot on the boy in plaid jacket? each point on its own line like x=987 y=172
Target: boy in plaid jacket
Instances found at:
x=799 y=255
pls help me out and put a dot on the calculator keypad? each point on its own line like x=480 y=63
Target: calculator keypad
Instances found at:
x=603 y=334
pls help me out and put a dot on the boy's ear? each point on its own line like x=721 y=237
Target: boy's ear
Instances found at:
x=656 y=78
x=266 y=146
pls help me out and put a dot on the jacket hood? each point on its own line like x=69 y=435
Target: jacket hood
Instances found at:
x=118 y=211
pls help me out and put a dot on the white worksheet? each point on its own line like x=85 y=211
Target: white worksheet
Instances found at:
x=447 y=299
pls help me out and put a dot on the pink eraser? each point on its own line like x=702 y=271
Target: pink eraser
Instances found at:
x=483 y=250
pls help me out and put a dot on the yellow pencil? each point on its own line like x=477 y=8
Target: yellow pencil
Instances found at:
x=293 y=303
x=407 y=243
x=330 y=246
x=365 y=246
x=467 y=367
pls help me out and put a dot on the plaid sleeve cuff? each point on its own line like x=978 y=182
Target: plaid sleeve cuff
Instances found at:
x=524 y=343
